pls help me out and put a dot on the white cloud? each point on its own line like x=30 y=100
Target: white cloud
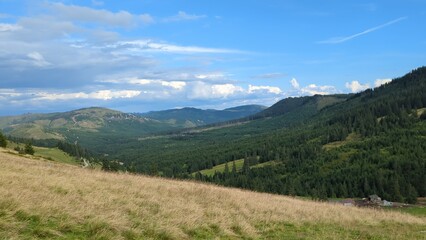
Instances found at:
x=109 y=94
x=380 y=82
x=269 y=89
x=183 y=16
x=4 y=92
x=269 y=76
x=294 y=83
x=356 y=86
x=224 y=90
x=135 y=81
x=210 y=76
x=86 y=14
x=38 y=59
x=178 y=85
x=101 y=95
x=143 y=46
x=4 y=27
x=202 y=90
x=313 y=89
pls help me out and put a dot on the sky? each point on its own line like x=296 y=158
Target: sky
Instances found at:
x=144 y=55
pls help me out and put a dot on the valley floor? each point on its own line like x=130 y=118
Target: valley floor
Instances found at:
x=41 y=199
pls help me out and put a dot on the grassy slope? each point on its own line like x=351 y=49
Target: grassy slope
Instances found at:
x=221 y=167
x=55 y=154
x=238 y=166
x=41 y=199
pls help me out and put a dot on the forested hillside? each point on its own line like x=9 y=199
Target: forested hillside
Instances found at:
x=371 y=142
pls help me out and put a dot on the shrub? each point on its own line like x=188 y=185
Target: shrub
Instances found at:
x=29 y=149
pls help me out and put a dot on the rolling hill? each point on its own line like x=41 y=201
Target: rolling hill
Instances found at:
x=192 y=117
x=309 y=105
x=97 y=126
x=46 y=200
x=60 y=125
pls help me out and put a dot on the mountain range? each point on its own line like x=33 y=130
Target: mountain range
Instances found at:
x=102 y=121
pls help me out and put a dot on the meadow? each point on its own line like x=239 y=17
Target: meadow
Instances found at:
x=42 y=199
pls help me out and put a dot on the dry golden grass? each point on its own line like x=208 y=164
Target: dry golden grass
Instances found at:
x=41 y=199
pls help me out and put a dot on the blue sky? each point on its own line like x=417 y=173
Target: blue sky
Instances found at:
x=144 y=55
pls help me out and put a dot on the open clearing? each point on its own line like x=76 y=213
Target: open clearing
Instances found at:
x=42 y=199
x=55 y=154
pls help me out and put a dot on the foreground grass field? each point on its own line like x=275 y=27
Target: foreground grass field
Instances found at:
x=46 y=200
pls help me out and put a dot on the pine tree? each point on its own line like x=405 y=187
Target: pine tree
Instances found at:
x=246 y=165
x=226 y=172
x=29 y=149
x=412 y=195
x=3 y=142
x=234 y=169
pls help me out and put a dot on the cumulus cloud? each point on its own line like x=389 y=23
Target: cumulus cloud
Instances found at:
x=380 y=82
x=356 y=86
x=203 y=90
x=294 y=83
x=224 y=90
x=269 y=89
x=179 y=85
x=313 y=89
x=183 y=16
x=101 y=95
